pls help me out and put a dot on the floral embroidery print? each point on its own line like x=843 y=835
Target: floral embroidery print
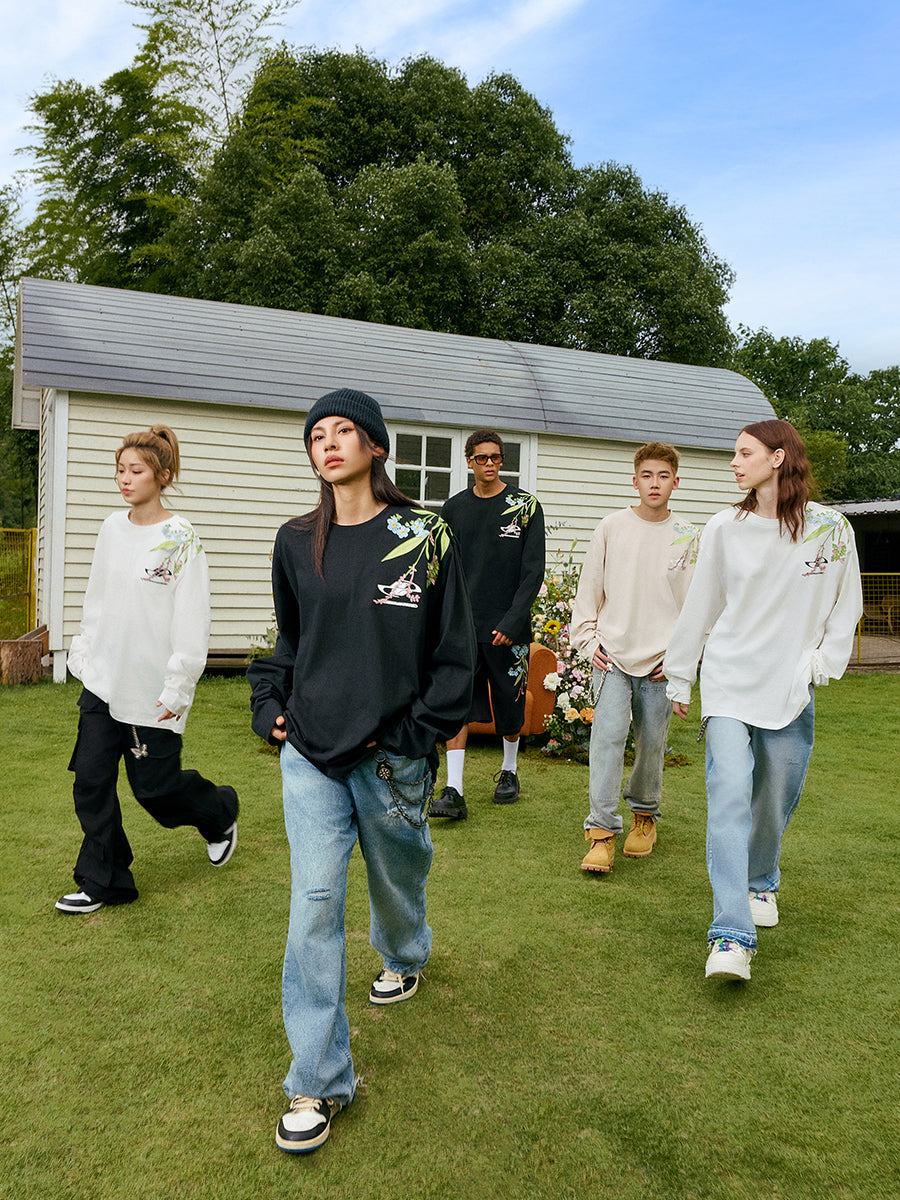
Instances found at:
x=688 y=537
x=179 y=541
x=424 y=533
x=521 y=509
x=519 y=670
x=828 y=530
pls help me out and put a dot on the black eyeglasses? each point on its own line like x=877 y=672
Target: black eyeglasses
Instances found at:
x=482 y=459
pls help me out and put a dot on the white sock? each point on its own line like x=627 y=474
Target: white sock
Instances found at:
x=455 y=762
x=510 y=753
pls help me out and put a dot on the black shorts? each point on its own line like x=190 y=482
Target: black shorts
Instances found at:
x=501 y=679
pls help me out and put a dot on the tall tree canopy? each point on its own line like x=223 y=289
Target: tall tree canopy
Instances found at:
x=851 y=422
x=406 y=196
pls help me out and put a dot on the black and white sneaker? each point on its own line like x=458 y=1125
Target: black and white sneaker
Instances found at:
x=220 y=852
x=507 y=789
x=305 y=1125
x=390 y=987
x=78 y=902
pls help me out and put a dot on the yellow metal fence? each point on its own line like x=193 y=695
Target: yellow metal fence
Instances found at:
x=17 y=594
x=878 y=633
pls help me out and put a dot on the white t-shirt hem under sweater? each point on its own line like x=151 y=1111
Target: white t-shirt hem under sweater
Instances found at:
x=145 y=628
x=632 y=586
x=770 y=616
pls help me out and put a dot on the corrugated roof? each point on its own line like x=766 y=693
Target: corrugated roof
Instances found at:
x=115 y=342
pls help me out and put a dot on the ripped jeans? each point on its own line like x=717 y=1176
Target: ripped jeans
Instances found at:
x=324 y=818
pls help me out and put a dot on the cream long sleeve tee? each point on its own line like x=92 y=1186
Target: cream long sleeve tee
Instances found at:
x=145 y=628
x=770 y=616
x=633 y=583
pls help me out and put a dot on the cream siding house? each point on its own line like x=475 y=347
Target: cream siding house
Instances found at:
x=235 y=383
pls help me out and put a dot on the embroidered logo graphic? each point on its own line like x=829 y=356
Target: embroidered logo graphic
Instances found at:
x=178 y=541
x=521 y=508
x=519 y=670
x=829 y=531
x=403 y=591
x=424 y=536
x=689 y=538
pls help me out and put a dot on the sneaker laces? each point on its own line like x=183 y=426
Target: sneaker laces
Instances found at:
x=303 y=1104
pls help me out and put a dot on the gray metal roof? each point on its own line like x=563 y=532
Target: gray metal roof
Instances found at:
x=114 y=342
x=862 y=508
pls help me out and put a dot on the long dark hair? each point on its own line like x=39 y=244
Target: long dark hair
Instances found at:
x=320 y=520
x=793 y=475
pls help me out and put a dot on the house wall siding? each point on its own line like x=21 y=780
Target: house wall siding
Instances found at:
x=581 y=480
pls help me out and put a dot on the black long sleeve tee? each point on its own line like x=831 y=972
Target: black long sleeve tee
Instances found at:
x=502 y=546
x=377 y=649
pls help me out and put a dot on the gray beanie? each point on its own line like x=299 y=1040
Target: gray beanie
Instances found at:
x=357 y=407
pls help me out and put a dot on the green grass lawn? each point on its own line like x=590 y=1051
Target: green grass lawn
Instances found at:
x=563 y=1043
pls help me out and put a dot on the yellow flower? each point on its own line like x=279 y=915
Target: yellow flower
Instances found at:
x=571 y=714
x=552 y=627
x=587 y=715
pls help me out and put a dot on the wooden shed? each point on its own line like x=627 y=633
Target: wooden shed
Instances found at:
x=235 y=383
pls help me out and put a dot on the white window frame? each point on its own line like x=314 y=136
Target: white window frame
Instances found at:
x=460 y=477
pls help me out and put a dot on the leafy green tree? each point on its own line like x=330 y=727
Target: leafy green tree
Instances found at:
x=114 y=165
x=213 y=45
x=452 y=208
x=851 y=423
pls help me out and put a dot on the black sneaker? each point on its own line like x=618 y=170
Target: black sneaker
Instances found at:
x=305 y=1125
x=449 y=804
x=219 y=852
x=507 y=789
x=78 y=902
x=390 y=987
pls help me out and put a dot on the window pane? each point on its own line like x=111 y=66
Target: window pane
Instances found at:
x=408 y=481
x=511 y=456
x=438 y=452
x=437 y=485
x=409 y=448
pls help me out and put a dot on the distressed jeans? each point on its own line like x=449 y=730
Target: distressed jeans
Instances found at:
x=754 y=778
x=324 y=818
x=620 y=701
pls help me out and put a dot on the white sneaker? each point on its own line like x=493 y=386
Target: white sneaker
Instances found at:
x=220 y=852
x=78 y=902
x=764 y=908
x=305 y=1125
x=728 y=960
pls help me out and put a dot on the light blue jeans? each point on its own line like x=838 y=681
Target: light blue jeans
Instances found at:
x=754 y=778
x=324 y=818
x=622 y=700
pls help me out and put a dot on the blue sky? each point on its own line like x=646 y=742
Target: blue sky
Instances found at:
x=776 y=125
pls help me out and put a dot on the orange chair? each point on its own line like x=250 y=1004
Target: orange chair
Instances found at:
x=538 y=701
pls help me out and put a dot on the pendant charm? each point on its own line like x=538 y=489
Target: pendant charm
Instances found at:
x=139 y=751
x=384 y=770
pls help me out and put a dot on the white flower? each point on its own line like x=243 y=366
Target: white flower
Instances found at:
x=551 y=681
x=563 y=701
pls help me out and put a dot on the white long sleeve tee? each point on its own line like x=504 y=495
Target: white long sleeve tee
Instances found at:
x=145 y=628
x=633 y=583
x=770 y=616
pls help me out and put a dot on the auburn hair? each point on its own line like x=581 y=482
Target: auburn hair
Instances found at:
x=793 y=475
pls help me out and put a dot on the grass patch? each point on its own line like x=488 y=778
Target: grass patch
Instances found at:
x=563 y=1042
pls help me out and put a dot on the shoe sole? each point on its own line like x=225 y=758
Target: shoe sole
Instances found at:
x=291 y=1147
x=449 y=816
x=638 y=853
x=598 y=870
x=74 y=910
x=382 y=1000
x=734 y=975
x=506 y=800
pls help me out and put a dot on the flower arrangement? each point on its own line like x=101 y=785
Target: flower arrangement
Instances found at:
x=569 y=725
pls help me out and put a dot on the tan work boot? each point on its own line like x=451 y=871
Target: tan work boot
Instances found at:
x=641 y=837
x=602 y=852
